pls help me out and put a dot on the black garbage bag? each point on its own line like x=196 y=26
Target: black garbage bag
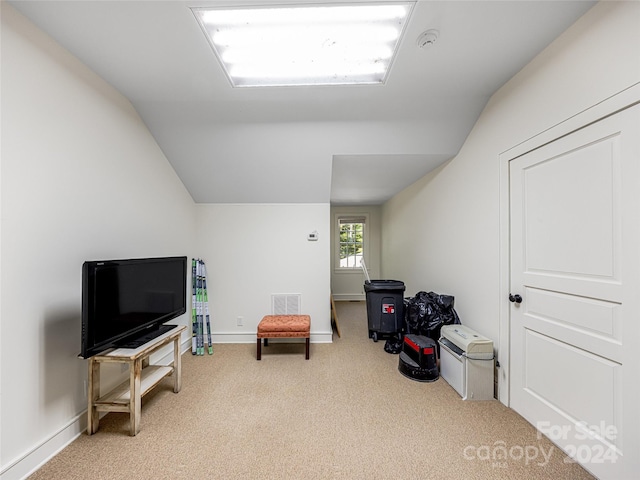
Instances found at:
x=426 y=313
x=394 y=343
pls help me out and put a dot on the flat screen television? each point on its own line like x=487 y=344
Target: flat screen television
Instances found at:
x=125 y=300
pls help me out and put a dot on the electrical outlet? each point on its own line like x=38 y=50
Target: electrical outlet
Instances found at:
x=240 y=321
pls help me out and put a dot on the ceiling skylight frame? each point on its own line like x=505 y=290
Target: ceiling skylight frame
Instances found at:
x=376 y=70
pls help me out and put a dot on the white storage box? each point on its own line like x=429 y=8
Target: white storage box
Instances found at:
x=466 y=362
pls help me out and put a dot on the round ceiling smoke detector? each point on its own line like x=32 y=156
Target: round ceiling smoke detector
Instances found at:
x=427 y=39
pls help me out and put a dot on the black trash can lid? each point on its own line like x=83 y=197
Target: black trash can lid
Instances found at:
x=384 y=285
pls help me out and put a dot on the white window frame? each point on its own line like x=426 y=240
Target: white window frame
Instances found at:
x=353 y=218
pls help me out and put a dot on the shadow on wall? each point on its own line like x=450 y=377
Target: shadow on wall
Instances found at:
x=414 y=190
x=62 y=372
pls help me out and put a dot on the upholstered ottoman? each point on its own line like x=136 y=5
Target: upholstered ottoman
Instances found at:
x=284 y=326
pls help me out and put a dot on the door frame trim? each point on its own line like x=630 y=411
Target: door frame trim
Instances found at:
x=607 y=107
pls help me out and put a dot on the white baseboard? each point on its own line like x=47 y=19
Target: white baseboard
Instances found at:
x=31 y=461
x=246 y=337
x=349 y=297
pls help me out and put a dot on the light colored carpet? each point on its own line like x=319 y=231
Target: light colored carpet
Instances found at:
x=347 y=413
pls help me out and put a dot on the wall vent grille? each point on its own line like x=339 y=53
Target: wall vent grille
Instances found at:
x=285 y=304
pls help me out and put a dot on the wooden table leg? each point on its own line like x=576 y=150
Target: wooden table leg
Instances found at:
x=135 y=399
x=93 y=386
x=177 y=366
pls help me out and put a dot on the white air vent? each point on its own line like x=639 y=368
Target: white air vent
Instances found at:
x=288 y=304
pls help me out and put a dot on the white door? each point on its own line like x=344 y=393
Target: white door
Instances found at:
x=575 y=292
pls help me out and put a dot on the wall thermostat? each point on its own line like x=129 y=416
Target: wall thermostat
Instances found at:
x=313 y=236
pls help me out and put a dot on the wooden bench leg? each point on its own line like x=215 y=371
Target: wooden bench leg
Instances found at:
x=92 y=395
x=135 y=399
x=266 y=344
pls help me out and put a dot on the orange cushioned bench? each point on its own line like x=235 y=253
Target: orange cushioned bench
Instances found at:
x=284 y=326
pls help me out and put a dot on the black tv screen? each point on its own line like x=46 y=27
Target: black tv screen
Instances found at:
x=125 y=299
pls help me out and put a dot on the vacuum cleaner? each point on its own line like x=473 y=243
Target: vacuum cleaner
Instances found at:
x=418 y=360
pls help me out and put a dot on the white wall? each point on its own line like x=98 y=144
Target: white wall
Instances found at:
x=254 y=251
x=349 y=285
x=442 y=233
x=82 y=178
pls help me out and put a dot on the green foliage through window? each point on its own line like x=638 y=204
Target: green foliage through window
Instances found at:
x=351 y=243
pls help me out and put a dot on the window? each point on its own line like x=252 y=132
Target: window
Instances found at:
x=351 y=241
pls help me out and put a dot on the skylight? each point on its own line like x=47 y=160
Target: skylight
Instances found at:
x=306 y=44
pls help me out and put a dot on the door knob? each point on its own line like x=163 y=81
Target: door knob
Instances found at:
x=515 y=298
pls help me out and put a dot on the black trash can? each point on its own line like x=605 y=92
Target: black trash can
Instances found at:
x=385 y=307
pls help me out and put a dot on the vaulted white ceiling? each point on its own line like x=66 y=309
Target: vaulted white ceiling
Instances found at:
x=338 y=144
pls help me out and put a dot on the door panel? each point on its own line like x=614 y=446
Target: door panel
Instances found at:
x=570 y=212
x=575 y=239
x=593 y=378
x=586 y=315
x=591 y=323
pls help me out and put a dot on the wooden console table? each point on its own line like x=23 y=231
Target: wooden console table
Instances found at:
x=142 y=378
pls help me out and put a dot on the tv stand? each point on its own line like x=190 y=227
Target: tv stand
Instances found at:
x=142 y=378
